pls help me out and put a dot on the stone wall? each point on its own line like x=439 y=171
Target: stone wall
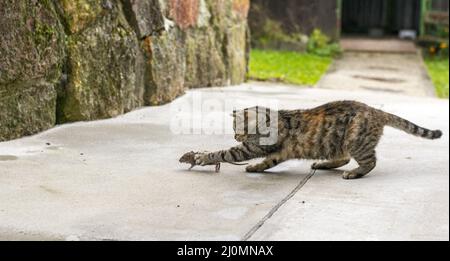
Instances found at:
x=76 y=60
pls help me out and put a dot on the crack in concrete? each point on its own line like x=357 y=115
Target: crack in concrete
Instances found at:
x=255 y=228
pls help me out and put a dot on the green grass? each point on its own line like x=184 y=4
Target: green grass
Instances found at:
x=438 y=70
x=288 y=67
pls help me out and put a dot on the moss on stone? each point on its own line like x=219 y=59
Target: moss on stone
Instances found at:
x=28 y=111
x=32 y=43
x=79 y=14
x=31 y=57
x=165 y=67
x=102 y=65
x=236 y=48
x=203 y=51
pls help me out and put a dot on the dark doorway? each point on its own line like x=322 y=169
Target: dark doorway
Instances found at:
x=380 y=17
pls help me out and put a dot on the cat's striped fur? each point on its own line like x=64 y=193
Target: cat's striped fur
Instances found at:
x=333 y=133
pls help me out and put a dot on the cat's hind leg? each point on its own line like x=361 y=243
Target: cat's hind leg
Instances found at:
x=332 y=164
x=367 y=162
x=362 y=149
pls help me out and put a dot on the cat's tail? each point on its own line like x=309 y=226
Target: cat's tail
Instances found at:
x=411 y=128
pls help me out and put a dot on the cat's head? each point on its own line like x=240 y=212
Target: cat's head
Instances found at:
x=256 y=125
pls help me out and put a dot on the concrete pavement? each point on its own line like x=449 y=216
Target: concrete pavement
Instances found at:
x=379 y=72
x=378 y=45
x=120 y=179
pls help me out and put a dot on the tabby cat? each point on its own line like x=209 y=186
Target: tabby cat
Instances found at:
x=333 y=133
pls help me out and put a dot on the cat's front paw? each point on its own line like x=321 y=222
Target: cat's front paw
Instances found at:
x=350 y=175
x=253 y=169
x=316 y=165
